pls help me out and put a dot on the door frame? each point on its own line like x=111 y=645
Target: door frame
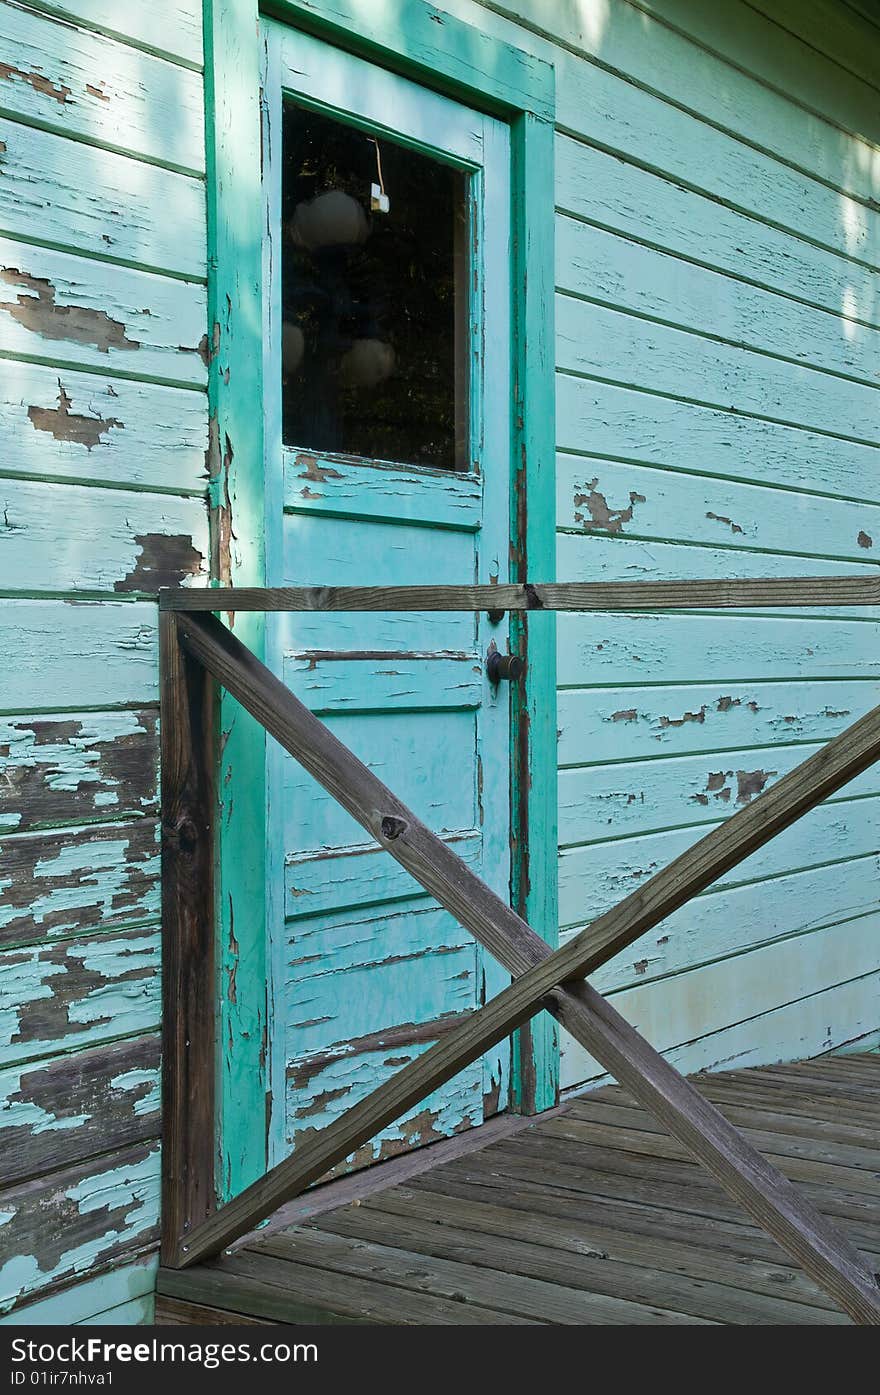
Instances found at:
x=513 y=85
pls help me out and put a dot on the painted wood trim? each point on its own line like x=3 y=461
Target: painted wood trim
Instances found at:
x=535 y=1057
x=236 y=493
x=346 y=488
x=466 y=64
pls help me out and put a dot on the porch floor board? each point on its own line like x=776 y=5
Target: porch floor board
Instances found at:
x=587 y=1215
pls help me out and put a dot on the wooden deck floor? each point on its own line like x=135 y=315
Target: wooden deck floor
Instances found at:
x=591 y=1215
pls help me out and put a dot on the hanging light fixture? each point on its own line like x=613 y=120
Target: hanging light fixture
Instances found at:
x=333 y=341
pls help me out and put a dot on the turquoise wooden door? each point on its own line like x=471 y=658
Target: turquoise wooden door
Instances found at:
x=388 y=460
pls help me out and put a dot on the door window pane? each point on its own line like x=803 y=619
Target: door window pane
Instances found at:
x=374 y=296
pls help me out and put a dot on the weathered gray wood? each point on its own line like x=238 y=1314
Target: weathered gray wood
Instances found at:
x=507 y=1250
x=734 y=1254
x=819 y=1132
x=581 y=595
x=801 y=1161
x=101 y=1211
x=61 y=1111
x=858 y=1085
x=595 y=1168
x=764 y=1192
x=701 y=1215
x=72 y=768
x=506 y=1292
x=849 y=1097
x=545 y=1180
x=188 y=738
x=75 y=880
x=176 y=1312
x=299 y=1293
x=809 y=1097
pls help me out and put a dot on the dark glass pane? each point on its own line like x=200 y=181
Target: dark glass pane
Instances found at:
x=374 y=299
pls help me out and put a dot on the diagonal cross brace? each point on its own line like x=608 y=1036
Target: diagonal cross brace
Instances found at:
x=545 y=978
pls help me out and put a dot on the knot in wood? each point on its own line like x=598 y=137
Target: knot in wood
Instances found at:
x=392 y=826
x=187 y=835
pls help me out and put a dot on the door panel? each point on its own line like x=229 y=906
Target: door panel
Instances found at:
x=367 y=970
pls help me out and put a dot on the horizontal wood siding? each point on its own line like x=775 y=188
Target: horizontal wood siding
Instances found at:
x=717 y=313
x=103 y=343
x=718 y=245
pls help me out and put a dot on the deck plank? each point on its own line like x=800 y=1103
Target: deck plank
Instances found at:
x=801 y=1159
x=861 y=1093
x=748 y=1105
x=572 y=1161
x=588 y=1215
x=757 y=1119
x=466 y=1283
x=629 y=1177
x=261 y=1285
x=508 y=1249
x=730 y=1251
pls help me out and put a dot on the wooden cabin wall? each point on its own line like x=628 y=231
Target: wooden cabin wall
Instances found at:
x=103 y=420
x=717 y=312
x=717 y=316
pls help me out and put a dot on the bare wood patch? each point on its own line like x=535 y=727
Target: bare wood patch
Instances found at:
x=59 y=92
x=599 y=514
x=163 y=560
x=40 y=313
x=65 y=425
x=300 y=1072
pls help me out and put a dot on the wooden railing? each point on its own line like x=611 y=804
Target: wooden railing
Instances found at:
x=197 y=651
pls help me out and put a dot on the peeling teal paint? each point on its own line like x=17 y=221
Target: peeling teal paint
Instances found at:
x=38 y=1120
x=148 y=1100
x=124 y=1197
x=77 y=993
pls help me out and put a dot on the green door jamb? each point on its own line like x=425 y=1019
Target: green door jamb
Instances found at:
x=235 y=490
x=464 y=63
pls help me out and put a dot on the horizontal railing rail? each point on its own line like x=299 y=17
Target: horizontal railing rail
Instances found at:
x=578 y=595
x=195 y=645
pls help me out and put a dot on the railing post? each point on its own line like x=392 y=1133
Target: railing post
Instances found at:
x=188 y=731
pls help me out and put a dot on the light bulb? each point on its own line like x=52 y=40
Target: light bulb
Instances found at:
x=332 y=219
x=292 y=347
x=367 y=363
